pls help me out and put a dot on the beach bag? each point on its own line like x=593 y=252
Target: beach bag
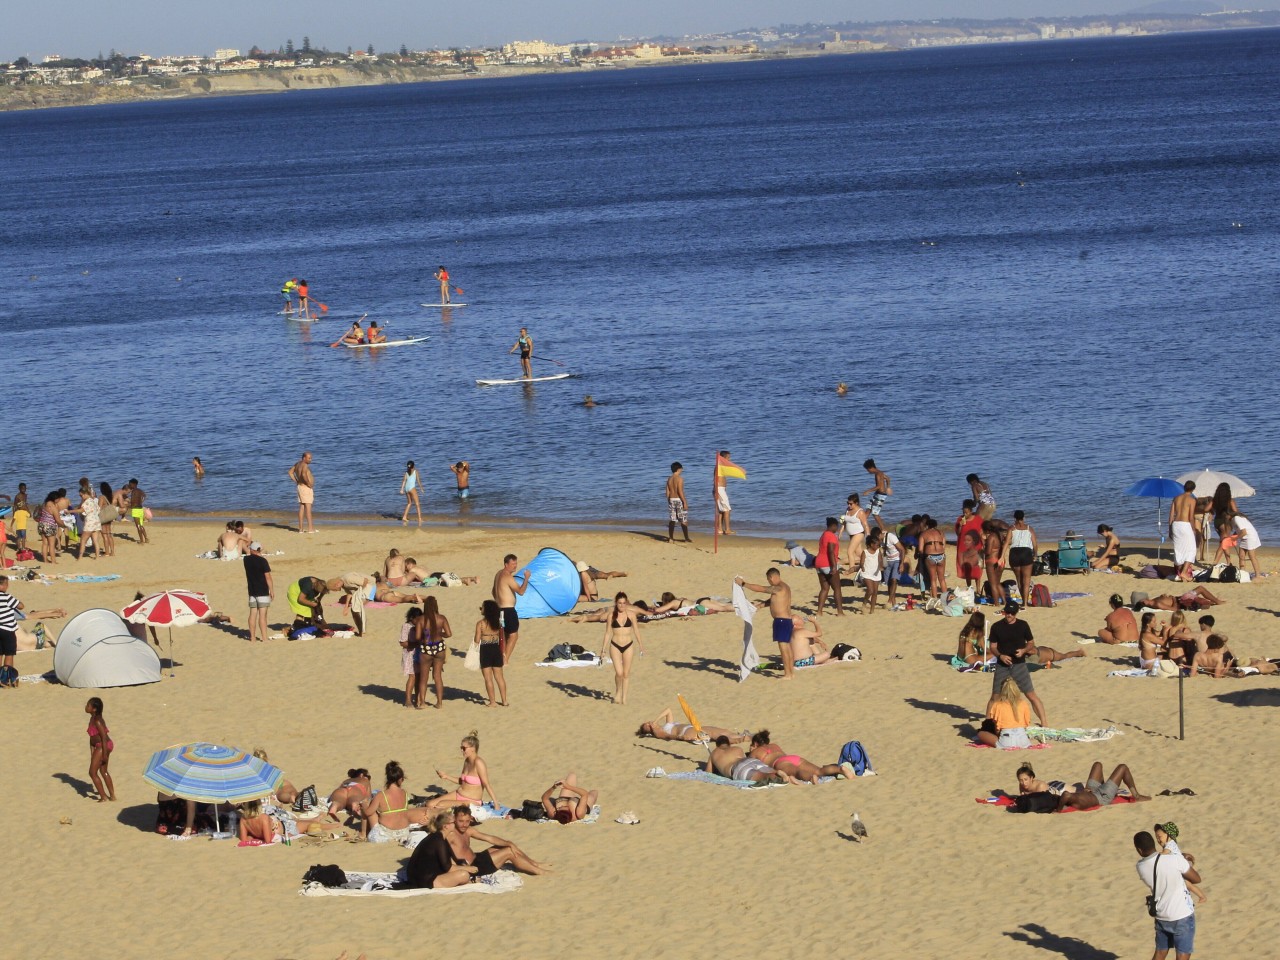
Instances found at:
x=25 y=555
x=966 y=596
x=952 y=605
x=328 y=875
x=1165 y=668
x=8 y=676
x=1044 y=802
x=472 y=660
x=532 y=810
x=845 y=651
x=1040 y=596
x=1228 y=575
x=853 y=753
x=1149 y=573
x=1050 y=561
x=1011 y=590
x=450 y=580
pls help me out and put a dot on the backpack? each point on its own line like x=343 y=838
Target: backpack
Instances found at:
x=1035 y=803
x=1049 y=560
x=532 y=810
x=845 y=651
x=1040 y=596
x=328 y=875
x=853 y=753
x=8 y=676
x=1229 y=575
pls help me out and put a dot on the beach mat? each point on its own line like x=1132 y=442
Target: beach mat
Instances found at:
x=701 y=776
x=377 y=884
x=1003 y=800
x=565 y=664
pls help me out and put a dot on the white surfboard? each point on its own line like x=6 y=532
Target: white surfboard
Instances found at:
x=388 y=343
x=504 y=383
x=444 y=304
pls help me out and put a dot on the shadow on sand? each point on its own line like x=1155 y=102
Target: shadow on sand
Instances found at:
x=1072 y=948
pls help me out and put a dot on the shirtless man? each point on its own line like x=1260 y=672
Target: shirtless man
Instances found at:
x=462 y=832
x=730 y=762
x=505 y=591
x=933 y=550
x=678 y=504
x=305 y=481
x=416 y=575
x=1213 y=661
x=462 y=472
x=1182 y=512
x=807 y=647
x=1098 y=792
x=880 y=491
x=724 y=508
x=137 y=512
x=780 y=608
x=1206 y=630
x=1121 y=627
x=393 y=569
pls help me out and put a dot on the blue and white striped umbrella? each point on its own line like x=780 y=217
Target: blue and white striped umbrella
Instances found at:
x=211 y=773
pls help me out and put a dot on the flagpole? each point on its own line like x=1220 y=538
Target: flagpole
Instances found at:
x=715 y=503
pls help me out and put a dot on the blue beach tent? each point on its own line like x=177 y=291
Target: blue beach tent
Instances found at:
x=554 y=586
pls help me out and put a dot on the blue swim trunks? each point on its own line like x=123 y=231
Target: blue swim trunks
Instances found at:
x=782 y=627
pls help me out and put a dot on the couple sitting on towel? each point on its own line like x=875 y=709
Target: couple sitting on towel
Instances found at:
x=445 y=858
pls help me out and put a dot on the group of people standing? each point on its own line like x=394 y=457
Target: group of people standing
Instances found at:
x=89 y=523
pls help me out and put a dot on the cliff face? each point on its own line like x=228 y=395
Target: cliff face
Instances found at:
x=215 y=84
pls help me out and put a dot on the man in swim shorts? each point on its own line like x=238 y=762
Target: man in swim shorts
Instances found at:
x=305 y=483
x=462 y=831
x=505 y=591
x=780 y=607
x=827 y=566
x=879 y=492
x=731 y=763
x=137 y=512
x=677 y=504
x=1098 y=792
x=462 y=473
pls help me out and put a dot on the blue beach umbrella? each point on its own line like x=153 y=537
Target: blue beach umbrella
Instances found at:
x=211 y=773
x=1158 y=487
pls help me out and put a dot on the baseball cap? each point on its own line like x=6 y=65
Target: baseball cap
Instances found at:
x=1011 y=607
x=255 y=546
x=791 y=544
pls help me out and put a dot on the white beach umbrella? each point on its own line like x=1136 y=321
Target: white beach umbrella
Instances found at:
x=1207 y=481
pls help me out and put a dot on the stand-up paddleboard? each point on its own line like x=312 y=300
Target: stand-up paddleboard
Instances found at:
x=444 y=304
x=388 y=343
x=504 y=383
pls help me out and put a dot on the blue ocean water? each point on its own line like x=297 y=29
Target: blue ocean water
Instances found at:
x=1053 y=264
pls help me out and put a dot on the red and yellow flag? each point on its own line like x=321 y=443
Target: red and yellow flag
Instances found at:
x=727 y=468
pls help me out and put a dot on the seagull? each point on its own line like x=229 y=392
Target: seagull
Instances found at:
x=858 y=829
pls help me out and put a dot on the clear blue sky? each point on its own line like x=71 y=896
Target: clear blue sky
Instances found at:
x=80 y=28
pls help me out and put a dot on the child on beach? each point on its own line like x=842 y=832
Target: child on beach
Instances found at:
x=100 y=747
x=410 y=653
x=1167 y=838
x=462 y=471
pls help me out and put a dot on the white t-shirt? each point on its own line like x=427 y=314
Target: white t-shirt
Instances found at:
x=1173 y=902
x=871 y=564
x=1249 y=538
x=891 y=552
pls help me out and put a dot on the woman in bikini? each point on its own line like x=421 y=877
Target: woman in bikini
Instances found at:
x=1151 y=641
x=433 y=631
x=993 y=550
x=621 y=636
x=795 y=768
x=1109 y=553
x=473 y=782
x=387 y=814
x=100 y=747
x=972 y=636
x=855 y=525
x=565 y=801
x=492 y=643
x=664 y=727
x=347 y=799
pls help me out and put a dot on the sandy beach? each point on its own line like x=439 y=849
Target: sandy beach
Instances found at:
x=708 y=869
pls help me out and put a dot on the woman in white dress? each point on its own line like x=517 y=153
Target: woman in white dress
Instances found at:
x=90 y=511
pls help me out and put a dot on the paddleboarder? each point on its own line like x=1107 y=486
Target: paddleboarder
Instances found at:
x=442 y=275
x=287 y=292
x=356 y=334
x=304 y=301
x=524 y=343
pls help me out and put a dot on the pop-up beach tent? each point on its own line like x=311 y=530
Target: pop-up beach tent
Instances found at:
x=554 y=586
x=96 y=649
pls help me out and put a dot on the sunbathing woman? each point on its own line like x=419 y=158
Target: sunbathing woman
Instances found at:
x=100 y=747
x=473 y=782
x=1047 y=656
x=972 y=638
x=795 y=768
x=663 y=727
x=387 y=814
x=621 y=637
x=383 y=592
x=417 y=575
x=1108 y=555
x=1027 y=782
x=1196 y=598
x=571 y=803
x=347 y=799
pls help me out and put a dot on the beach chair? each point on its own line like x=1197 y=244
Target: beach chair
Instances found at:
x=1072 y=556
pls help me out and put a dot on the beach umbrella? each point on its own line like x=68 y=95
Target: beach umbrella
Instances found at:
x=692 y=717
x=1158 y=487
x=1207 y=481
x=169 y=608
x=211 y=773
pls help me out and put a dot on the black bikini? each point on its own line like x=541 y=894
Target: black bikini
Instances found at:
x=620 y=626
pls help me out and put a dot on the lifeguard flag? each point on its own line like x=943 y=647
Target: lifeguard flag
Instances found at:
x=726 y=469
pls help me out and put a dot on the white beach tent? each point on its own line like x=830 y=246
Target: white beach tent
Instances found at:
x=96 y=649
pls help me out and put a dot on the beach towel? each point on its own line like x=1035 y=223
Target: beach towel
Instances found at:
x=978 y=745
x=743 y=608
x=592 y=816
x=379 y=885
x=701 y=776
x=976 y=667
x=1131 y=673
x=1132 y=644
x=1004 y=800
x=1058 y=597
x=89 y=578
x=593 y=662
x=1184 y=542
x=1072 y=734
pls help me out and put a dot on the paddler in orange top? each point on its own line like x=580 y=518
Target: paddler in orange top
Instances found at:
x=442 y=275
x=304 y=305
x=375 y=334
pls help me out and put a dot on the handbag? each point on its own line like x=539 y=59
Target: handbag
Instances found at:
x=1151 y=900
x=472 y=660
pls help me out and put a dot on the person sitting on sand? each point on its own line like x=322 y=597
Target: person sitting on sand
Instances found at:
x=257 y=824
x=971 y=645
x=806 y=642
x=387 y=815
x=664 y=727
x=1108 y=554
x=393 y=569
x=565 y=801
x=473 y=781
x=1098 y=792
x=792 y=766
x=730 y=762
x=432 y=866
x=347 y=799
x=1121 y=627
x=588 y=575
x=233 y=544
x=462 y=832
x=306 y=599
x=1008 y=716
x=1151 y=641
x=1214 y=661
x=1196 y=598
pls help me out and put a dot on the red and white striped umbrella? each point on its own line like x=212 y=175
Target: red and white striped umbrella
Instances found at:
x=169 y=608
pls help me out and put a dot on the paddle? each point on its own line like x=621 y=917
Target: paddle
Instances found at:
x=338 y=342
x=459 y=291
x=548 y=360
